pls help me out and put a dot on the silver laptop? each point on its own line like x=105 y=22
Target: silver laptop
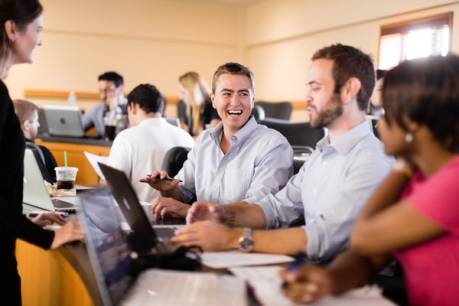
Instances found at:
x=118 y=282
x=36 y=196
x=64 y=121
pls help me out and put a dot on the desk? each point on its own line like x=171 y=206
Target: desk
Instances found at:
x=57 y=277
x=75 y=148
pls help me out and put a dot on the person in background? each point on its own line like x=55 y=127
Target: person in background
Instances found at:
x=113 y=103
x=20 y=27
x=27 y=113
x=143 y=146
x=376 y=108
x=414 y=214
x=235 y=160
x=330 y=188
x=195 y=109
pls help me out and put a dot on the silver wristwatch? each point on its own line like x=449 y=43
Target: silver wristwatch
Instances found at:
x=246 y=241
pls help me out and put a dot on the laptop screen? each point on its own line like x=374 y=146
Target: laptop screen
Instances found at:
x=107 y=245
x=64 y=121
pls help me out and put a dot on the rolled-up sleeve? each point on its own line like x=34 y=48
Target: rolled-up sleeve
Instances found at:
x=284 y=207
x=329 y=229
x=271 y=172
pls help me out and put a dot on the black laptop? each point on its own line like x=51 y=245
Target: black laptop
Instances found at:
x=132 y=210
x=120 y=280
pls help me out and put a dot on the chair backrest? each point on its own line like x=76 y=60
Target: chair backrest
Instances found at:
x=373 y=121
x=278 y=110
x=174 y=159
x=173 y=121
x=258 y=113
x=297 y=133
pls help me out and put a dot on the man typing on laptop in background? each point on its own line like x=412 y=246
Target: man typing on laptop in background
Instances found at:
x=113 y=102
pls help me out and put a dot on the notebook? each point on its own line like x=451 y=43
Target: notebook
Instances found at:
x=113 y=266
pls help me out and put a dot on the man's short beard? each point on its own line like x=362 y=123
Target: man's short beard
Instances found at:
x=328 y=114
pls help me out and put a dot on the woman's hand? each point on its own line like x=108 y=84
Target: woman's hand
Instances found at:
x=44 y=219
x=71 y=231
x=308 y=284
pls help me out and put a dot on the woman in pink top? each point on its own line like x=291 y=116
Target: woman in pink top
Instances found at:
x=414 y=214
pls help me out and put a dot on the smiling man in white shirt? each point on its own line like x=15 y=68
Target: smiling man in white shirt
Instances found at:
x=142 y=147
x=233 y=161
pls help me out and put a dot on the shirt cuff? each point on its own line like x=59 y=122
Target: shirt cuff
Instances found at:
x=187 y=195
x=270 y=217
x=313 y=243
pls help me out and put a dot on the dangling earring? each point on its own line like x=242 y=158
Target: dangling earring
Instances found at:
x=409 y=137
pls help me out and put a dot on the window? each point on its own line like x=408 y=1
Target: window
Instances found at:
x=414 y=39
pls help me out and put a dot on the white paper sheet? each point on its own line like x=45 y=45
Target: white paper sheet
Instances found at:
x=220 y=260
x=267 y=285
x=94 y=160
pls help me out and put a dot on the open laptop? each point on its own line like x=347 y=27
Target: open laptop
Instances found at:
x=113 y=266
x=64 y=121
x=131 y=208
x=36 y=195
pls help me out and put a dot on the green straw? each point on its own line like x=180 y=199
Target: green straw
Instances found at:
x=65 y=158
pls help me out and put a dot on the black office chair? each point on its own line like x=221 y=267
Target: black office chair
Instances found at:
x=277 y=110
x=298 y=134
x=373 y=120
x=258 y=113
x=174 y=159
x=173 y=121
x=301 y=136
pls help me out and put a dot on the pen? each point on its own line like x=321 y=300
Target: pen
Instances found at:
x=300 y=259
x=35 y=214
x=168 y=178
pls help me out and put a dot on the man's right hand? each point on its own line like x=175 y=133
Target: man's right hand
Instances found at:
x=203 y=211
x=160 y=181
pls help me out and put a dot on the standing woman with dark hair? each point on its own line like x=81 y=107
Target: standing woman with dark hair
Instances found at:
x=21 y=24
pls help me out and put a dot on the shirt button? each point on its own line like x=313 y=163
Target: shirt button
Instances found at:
x=233 y=138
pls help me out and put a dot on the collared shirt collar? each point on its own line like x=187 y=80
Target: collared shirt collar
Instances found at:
x=347 y=141
x=155 y=120
x=217 y=131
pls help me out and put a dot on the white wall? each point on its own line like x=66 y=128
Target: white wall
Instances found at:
x=282 y=35
x=145 y=40
x=157 y=40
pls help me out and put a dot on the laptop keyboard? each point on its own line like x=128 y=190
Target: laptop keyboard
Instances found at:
x=165 y=233
x=64 y=206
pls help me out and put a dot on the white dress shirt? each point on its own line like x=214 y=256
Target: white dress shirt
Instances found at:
x=329 y=190
x=139 y=150
x=258 y=163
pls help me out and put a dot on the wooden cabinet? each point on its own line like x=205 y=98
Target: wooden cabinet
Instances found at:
x=48 y=278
